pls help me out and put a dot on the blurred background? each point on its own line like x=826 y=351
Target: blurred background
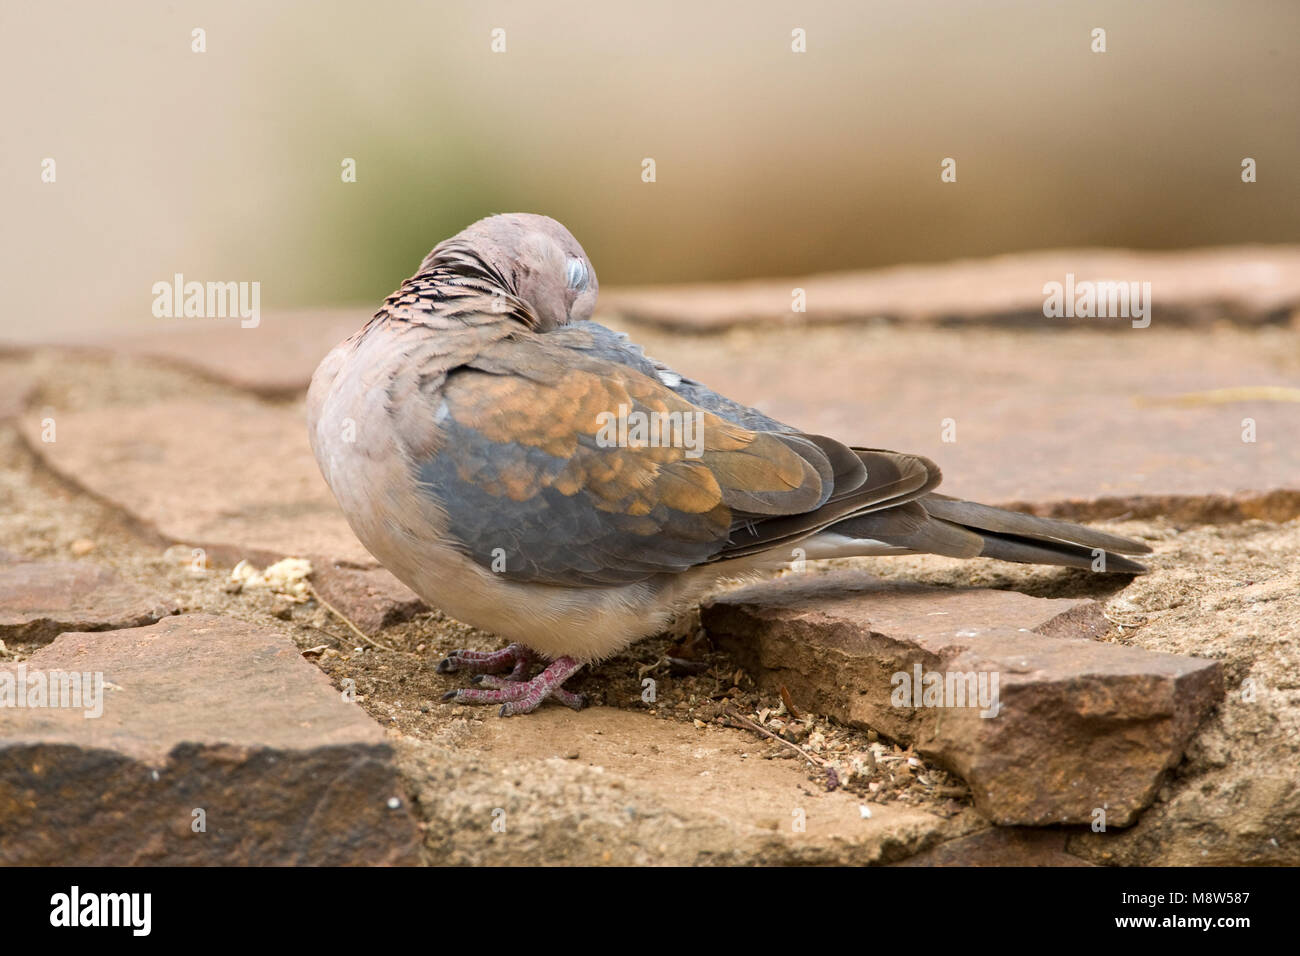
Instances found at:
x=225 y=165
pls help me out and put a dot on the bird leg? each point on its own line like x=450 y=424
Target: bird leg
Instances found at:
x=514 y=658
x=515 y=695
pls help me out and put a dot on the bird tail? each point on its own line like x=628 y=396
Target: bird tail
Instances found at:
x=938 y=524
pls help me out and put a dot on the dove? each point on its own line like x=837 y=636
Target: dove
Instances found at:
x=534 y=474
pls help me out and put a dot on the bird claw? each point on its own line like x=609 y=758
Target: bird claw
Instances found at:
x=515 y=658
x=519 y=696
x=491 y=680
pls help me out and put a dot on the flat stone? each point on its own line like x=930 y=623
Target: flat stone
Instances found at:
x=371 y=598
x=275 y=359
x=610 y=786
x=1078 y=725
x=1001 y=846
x=235 y=477
x=41 y=599
x=1141 y=423
x=16 y=388
x=199 y=713
x=1251 y=285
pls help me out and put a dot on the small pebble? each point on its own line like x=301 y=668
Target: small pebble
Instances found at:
x=82 y=546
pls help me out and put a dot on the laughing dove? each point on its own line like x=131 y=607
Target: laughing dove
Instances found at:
x=534 y=474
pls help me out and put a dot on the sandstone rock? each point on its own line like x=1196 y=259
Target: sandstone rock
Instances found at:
x=16 y=388
x=203 y=719
x=1075 y=727
x=1250 y=284
x=370 y=597
x=642 y=791
x=41 y=599
x=275 y=359
x=235 y=477
x=1001 y=846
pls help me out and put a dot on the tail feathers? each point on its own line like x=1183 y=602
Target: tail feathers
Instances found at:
x=935 y=524
x=986 y=518
x=1009 y=547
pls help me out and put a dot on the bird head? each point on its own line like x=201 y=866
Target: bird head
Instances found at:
x=532 y=259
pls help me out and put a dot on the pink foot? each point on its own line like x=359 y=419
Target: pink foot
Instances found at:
x=519 y=696
x=514 y=658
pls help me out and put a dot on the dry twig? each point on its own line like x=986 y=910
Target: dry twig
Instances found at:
x=342 y=617
x=745 y=723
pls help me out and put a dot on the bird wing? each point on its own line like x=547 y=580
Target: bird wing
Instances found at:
x=538 y=484
x=866 y=480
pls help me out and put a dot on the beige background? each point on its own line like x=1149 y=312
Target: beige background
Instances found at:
x=225 y=165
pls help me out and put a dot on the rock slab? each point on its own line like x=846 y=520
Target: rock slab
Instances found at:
x=371 y=598
x=235 y=477
x=217 y=744
x=1250 y=285
x=41 y=599
x=1001 y=846
x=1046 y=728
x=616 y=787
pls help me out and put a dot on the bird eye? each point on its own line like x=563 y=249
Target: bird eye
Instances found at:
x=577 y=275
